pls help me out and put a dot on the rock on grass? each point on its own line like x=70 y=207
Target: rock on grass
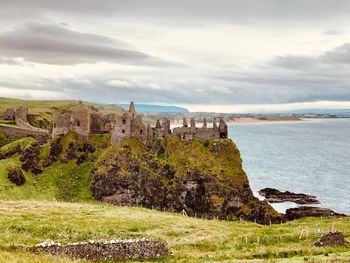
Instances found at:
x=16 y=176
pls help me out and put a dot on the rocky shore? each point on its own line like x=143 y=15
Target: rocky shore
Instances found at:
x=309 y=211
x=275 y=196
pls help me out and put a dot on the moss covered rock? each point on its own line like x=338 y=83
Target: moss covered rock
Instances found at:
x=68 y=147
x=203 y=178
x=30 y=158
x=15 y=147
x=16 y=176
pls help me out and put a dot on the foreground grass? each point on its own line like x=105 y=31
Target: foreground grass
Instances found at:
x=190 y=239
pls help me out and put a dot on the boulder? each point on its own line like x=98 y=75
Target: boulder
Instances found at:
x=331 y=239
x=16 y=176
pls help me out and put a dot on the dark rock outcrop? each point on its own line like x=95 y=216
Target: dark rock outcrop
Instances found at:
x=205 y=179
x=309 y=211
x=275 y=196
x=68 y=147
x=16 y=176
x=30 y=158
x=13 y=151
x=331 y=239
x=111 y=250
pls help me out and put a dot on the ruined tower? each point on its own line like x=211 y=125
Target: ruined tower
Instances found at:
x=128 y=125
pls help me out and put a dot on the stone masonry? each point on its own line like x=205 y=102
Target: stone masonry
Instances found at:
x=130 y=124
x=84 y=122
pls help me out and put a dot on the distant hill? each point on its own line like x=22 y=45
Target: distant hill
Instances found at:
x=337 y=112
x=44 y=108
x=156 y=108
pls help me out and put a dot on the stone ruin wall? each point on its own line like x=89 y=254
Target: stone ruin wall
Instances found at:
x=17 y=133
x=8 y=115
x=81 y=121
x=12 y=114
x=24 y=129
x=130 y=124
x=21 y=114
x=107 y=250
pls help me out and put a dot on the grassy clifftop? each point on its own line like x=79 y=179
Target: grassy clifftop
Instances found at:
x=44 y=108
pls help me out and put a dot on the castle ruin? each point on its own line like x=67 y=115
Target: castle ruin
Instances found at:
x=130 y=124
x=82 y=121
x=85 y=122
x=12 y=114
x=22 y=127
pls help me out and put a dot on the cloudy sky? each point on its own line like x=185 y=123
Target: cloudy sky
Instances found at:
x=208 y=55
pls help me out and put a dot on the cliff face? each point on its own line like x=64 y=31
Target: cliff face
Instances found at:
x=203 y=178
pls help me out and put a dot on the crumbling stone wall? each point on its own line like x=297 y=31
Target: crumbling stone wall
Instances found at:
x=15 y=132
x=130 y=125
x=108 y=250
x=82 y=121
x=188 y=133
x=21 y=114
x=8 y=115
x=99 y=124
x=16 y=114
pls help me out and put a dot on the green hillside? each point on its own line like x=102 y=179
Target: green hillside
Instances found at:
x=44 y=108
x=57 y=205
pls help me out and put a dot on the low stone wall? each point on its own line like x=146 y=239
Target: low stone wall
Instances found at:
x=107 y=250
x=27 y=126
x=16 y=132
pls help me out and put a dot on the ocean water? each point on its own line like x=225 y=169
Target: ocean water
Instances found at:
x=310 y=157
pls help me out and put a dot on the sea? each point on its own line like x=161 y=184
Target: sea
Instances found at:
x=310 y=156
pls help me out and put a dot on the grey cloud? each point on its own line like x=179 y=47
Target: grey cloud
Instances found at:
x=296 y=78
x=332 y=32
x=54 y=44
x=195 y=11
x=339 y=55
x=333 y=58
x=292 y=62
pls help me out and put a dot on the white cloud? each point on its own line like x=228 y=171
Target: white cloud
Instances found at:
x=251 y=108
x=31 y=93
x=119 y=83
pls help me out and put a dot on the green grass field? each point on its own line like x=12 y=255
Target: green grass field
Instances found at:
x=190 y=239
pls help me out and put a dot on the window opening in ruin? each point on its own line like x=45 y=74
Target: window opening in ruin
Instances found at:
x=123 y=131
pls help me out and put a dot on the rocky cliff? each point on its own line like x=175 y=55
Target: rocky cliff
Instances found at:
x=202 y=178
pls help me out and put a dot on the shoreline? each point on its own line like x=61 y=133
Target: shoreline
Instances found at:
x=248 y=121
